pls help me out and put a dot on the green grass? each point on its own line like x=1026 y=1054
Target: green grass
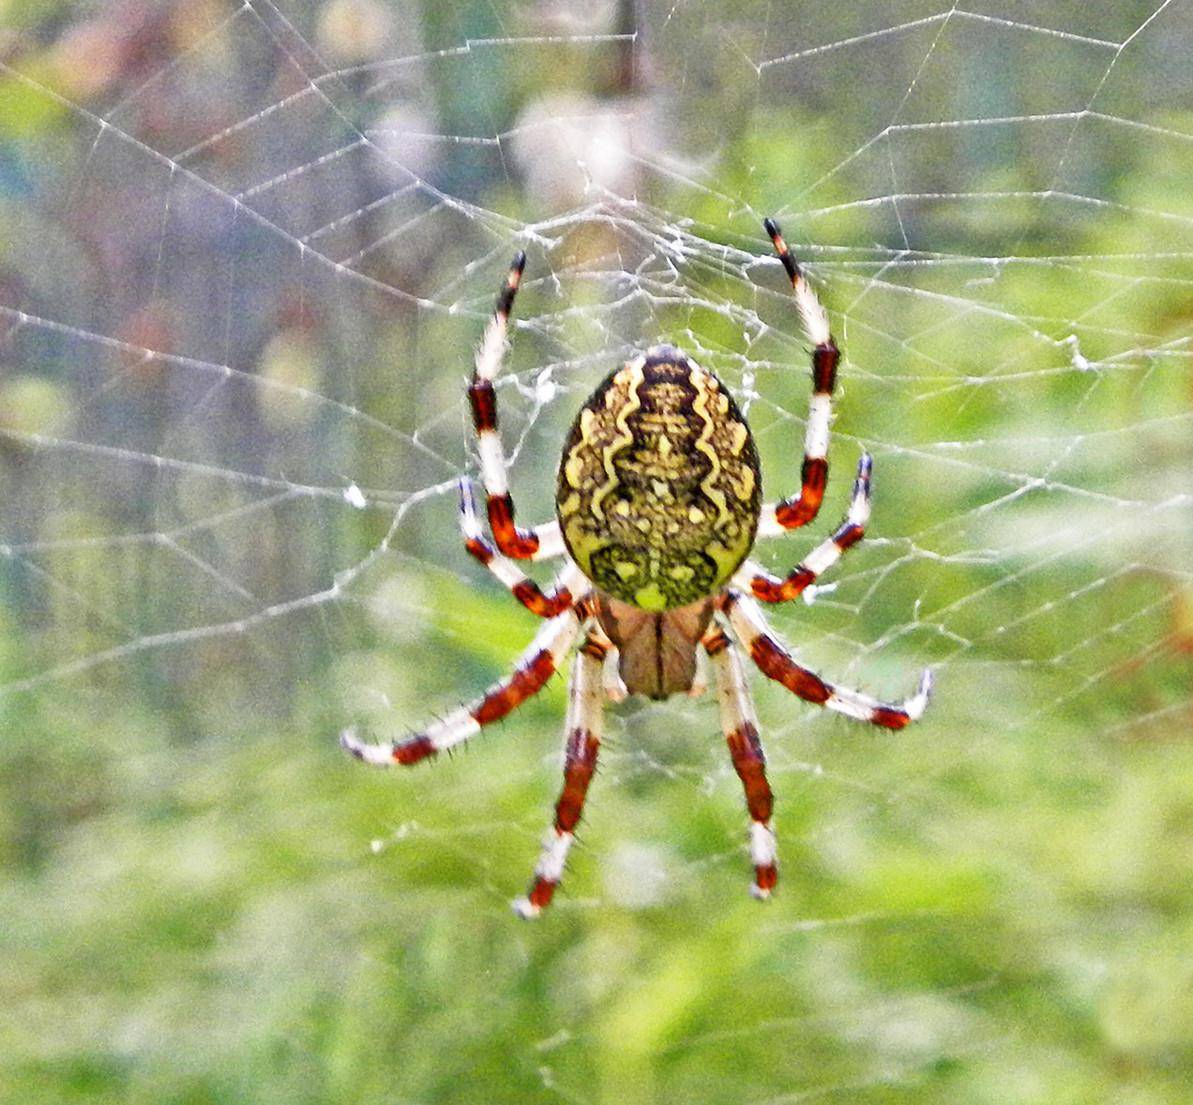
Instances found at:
x=967 y=912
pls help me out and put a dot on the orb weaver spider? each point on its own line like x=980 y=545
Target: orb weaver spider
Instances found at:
x=658 y=504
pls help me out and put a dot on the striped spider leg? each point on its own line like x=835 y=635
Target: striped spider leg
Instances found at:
x=776 y=662
x=740 y=726
x=753 y=577
x=801 y=509
x=546 y=604
x=521 y=544
x=582 y=740
x=534 y=667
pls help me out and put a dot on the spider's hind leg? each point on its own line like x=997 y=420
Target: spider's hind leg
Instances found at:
x=740 y=726
x=582 y=740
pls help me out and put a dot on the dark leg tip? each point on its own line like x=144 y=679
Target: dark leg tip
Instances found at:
x=505 y=300
x=776 y=237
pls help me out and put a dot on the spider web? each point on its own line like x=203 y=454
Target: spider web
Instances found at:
x=248 y=250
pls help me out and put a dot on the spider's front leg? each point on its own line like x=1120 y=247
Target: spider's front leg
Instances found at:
x=521 y=544
x=582 y=740
x=535 y=666
x=801 y=509
x=740 y=726
x=775 y=662
x=769 y=588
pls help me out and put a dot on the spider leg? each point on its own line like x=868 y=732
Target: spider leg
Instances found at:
x=581 y=742
x=518 y=543
x=800 y=510
x=740 y=726
x=535 y=666
x=775 y=662
x=769 y=588
x=525 y=590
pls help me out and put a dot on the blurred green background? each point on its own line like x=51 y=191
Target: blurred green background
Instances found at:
x=245 y=252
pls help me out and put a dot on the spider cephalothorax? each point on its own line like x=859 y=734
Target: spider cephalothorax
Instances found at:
x=658 y=504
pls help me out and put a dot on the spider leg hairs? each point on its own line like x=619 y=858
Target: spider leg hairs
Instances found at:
x=658 y=505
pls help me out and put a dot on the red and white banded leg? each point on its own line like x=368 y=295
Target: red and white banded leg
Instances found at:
x=535 y=666
x=775 y=662
x=801 y=509
x=740 y=726
x=546 y=604
x=768 y=588
x=582 y=741
x=521 y=544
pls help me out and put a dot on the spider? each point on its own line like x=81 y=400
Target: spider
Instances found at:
x=658 y=505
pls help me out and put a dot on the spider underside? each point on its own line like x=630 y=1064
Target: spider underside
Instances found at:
x=658 y=505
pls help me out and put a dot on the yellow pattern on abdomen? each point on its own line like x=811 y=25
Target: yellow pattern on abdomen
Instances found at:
x=659 y=490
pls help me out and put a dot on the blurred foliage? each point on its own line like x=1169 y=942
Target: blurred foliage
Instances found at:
x=993 y=907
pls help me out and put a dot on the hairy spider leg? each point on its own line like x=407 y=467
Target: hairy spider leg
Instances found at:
x=769 y=588
x=775 y=662
x=740 y=726
x=535 y=666
x=521 y=544
x=545 y=604
x=582 y=740
x=801 y=509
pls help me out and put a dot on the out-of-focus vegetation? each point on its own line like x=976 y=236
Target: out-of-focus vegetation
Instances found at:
x=245 y=252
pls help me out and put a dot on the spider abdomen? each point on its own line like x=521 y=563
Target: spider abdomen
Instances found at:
x=659 y=488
